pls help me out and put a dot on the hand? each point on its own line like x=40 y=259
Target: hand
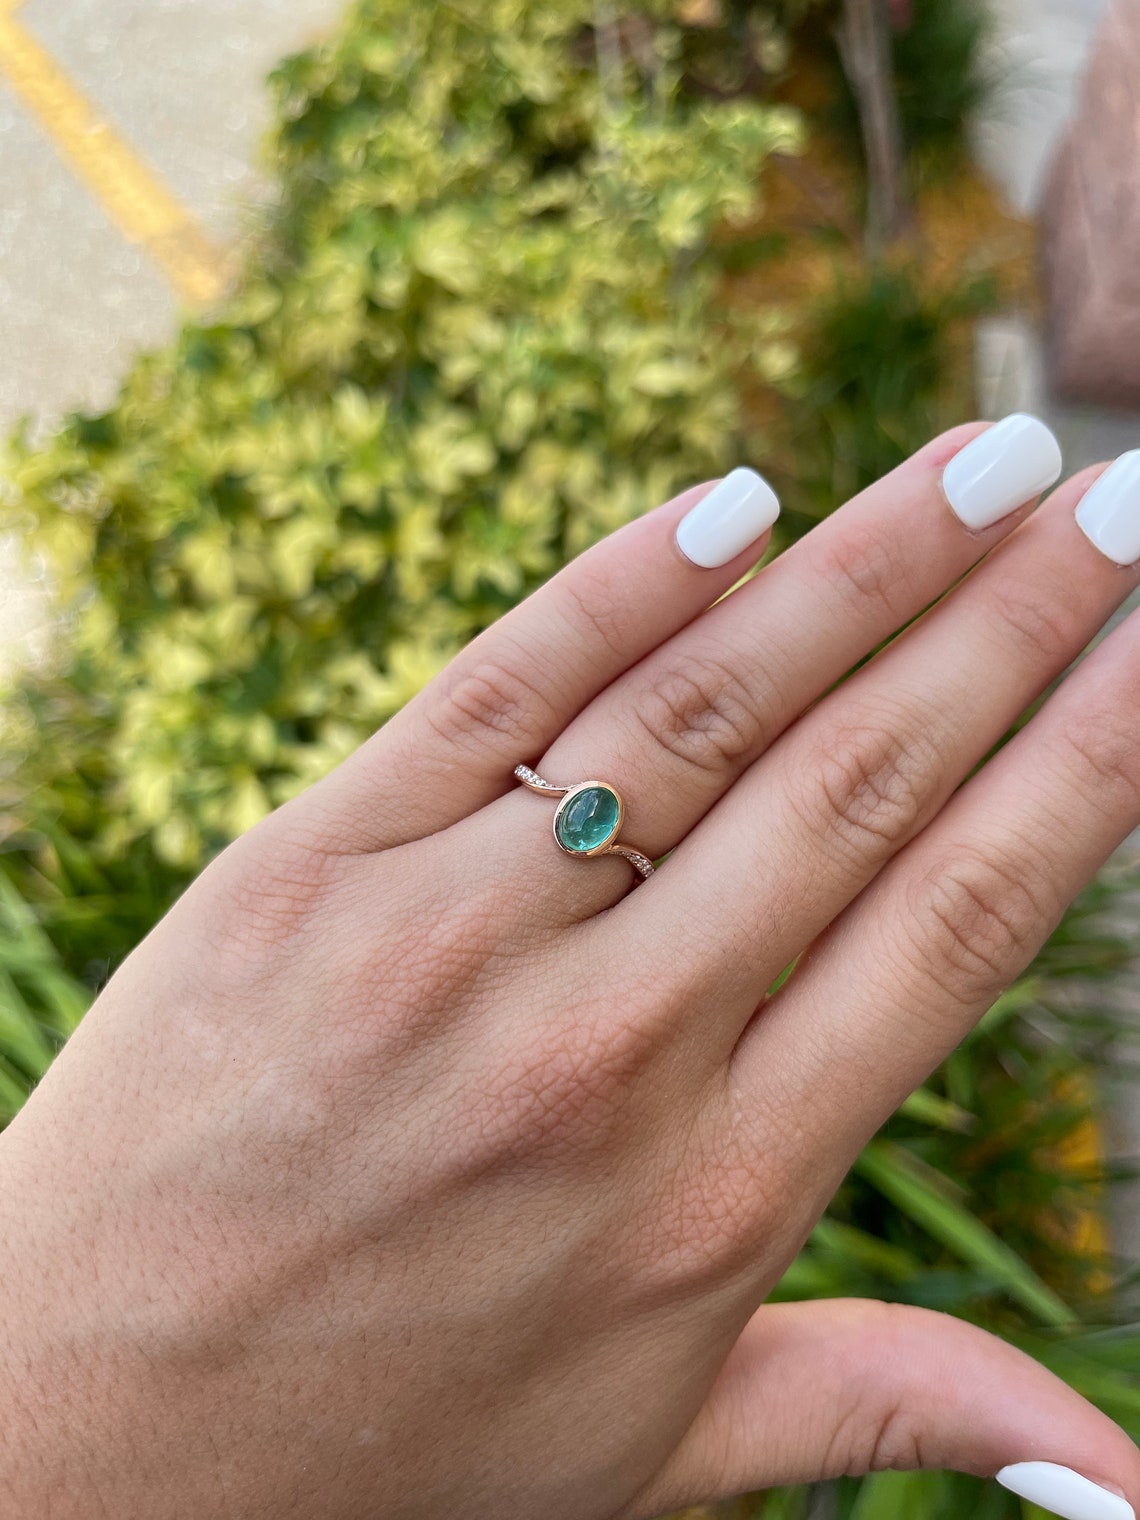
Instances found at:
x=411 y=1168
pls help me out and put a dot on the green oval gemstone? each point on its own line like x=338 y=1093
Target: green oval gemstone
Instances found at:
x=588 y=819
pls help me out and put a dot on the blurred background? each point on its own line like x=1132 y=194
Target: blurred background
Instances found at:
x=306 y=381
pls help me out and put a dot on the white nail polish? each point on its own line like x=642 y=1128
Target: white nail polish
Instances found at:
x=1064 y=1492
x=1002 y=468
x=733 y=515
x=1108 y=514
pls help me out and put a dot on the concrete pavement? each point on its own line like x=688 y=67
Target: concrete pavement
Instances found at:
x=129 y=132
x=161 y=104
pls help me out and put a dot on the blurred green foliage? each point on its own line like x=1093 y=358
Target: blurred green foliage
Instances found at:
x=482 y=327
x=877 y=375
x=40 y=1001
x=477 y=336
x=942 y=73
x=941 y=77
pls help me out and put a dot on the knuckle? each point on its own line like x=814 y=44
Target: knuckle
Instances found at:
x=409 y=976
x=261 y=898
x=1101 y=756
x=977 y=922
x=873 y=1427
x=865 y=787
x=715 y=1216
x=598 y=608
x=491 y=702
x=699 y=711
x=703 y=1240
x=446 y=930
x=866 y=566
x=876 y=1430
x=1038 y=617
x=564 y=1092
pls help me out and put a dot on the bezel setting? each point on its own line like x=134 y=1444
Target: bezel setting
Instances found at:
x=611 y=844
x=607 y=844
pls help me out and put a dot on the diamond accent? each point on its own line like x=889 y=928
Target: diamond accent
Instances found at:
x=637 y=860
x=524 y=773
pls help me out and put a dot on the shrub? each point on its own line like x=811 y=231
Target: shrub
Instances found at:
x=478 y=335
x=942 y=75
x=879 y=375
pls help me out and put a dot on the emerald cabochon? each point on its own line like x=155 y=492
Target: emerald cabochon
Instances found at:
x=587 y=819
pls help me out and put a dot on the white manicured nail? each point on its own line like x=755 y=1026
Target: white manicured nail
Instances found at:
x=1108 y=514
x=733 y=515
x=1001 y=469
x=1064 y=1492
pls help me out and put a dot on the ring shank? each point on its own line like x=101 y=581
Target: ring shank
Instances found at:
x=535 y=782
x=640 y=863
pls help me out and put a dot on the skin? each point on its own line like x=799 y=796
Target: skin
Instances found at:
x=412 y=1169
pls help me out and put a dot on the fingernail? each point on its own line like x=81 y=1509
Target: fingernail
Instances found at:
x=1108 y=514
x=1001 y=469
x=733 y=515
x=1064 y=1492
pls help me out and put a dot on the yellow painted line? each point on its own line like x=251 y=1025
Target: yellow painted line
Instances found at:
x=131 y=194
x=1081 y=1154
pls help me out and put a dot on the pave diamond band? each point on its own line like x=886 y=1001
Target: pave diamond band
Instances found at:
x=588 y=819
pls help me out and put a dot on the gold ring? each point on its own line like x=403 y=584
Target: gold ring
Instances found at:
x=588 y=820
